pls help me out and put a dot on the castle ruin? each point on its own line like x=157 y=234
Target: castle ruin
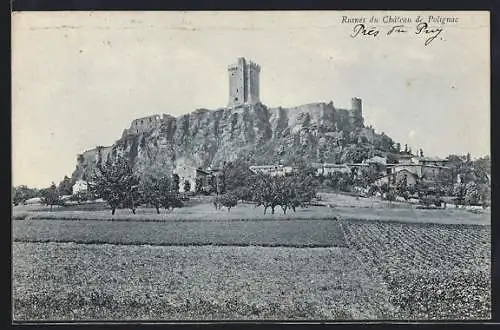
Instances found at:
x=356 y=112
x=243 y=83
x=244 y=89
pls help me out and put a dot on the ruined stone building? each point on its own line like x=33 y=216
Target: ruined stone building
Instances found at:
x=243 y=83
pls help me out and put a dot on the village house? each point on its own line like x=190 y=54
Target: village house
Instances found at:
x=273 y=170
x=210 y=178
x=324 y=169
x=80 y=186
x=186 y=174
x=396 y=177
x=413 y=169
x=382 y=161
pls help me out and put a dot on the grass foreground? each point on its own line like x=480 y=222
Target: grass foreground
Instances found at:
x=363 y=263
x=68 y=281
x=295 y=233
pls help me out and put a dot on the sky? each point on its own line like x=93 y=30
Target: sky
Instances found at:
x=80 y=78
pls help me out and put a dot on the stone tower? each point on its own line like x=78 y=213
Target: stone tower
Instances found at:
x=243 y=83
x=356 y=112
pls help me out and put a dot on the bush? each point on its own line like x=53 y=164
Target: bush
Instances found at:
x=429 y=200
x=80 y=197
x=390 y=196
x=228 y=200
x=372 y=190
x=472 y=194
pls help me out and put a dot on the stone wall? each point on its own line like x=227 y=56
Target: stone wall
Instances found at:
x=145 y=124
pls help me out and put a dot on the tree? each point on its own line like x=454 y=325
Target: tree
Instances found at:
x=158 y=191
x=388 y=192
x=346 y=181
x=187 y=186
x=485 y=191
x=482 y=170
x=472 y=193
x=266 y=192
x=153 y=189
x=390 y=195
x=367 y=176
x=287 y=192
x=402 y=188
x=66 y=186
x=22 y=193
x=228 y=200
x=356 y=154
x=132 y=198
x=444 y=180
x=386 y=143
x=116 y=183
x=172 y=201
x=235 y=174
x=198 y=185
x=51 y=196
x=176 y=182
x=297 y=191
x=459 y=191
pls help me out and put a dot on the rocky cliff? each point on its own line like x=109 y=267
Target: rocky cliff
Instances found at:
x=317 y=132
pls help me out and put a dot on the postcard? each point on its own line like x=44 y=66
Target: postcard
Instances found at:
x=251 y=165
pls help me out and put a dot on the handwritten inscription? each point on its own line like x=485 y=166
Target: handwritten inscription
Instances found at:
x=432 y=32
x=429 y=33
x=363 y=30
x=426 y=27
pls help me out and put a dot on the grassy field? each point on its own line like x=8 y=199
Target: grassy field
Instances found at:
x=399 y=212
x=372 y=262
x=88 y=282
x=296 y=233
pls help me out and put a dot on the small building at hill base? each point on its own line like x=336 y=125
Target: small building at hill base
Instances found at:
x=272 y=170
x=187 y=174
x=324 y=169
x=395 y=178
x=80 y=186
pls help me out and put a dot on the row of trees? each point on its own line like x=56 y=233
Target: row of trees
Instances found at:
x=287 y=192
x=117 y=184
x=50 y=196
x=291 y=191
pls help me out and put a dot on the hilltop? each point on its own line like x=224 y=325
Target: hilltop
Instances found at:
x=316 y=132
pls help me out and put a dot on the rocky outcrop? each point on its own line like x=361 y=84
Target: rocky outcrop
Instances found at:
x=203 y=138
